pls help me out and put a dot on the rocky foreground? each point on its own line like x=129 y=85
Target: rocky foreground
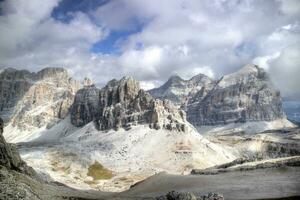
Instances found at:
x=19 y=181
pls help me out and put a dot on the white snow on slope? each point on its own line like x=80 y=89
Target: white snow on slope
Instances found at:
x=132 y=155
x=13 y=134
x=248 y=127
x=250 y=139
x=65 y=152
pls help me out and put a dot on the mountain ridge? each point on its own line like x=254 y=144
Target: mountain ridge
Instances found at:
x=179 y=90
x=245 y=95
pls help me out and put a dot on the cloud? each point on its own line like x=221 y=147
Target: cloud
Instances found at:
x=290 y=7
x=30 y=38
x=264 y=61
x=173 y=37
x=285 y=72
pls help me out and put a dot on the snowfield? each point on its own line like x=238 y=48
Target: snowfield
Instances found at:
x=64 y=153
x=248 y=127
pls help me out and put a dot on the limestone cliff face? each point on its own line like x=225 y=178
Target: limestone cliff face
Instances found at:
x=121 y=104
x=86 y=106
x=239 y=97
x=179 y=91
x=32 y=100
x=14 y=84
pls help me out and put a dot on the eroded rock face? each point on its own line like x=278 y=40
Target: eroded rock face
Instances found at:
x=9 y=156
x=246 y=95
x=239 y=97
x=32 y=100
x=14 y=84
x=86 y=106
x=121 y=104
x=179 y=91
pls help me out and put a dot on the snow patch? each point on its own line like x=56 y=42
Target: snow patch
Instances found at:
x=131 y=155
x=248 y=127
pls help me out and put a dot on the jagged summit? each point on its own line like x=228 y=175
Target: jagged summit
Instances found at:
x=198 y=77
x=246 y=74
x=49 y=72
x=33 y=100
x=174 y=79
x=121 y=104
x=249 y=68
x=245 y=95
x=179 y=90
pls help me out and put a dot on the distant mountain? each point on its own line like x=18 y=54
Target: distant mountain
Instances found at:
x=34 y=100
x=292 y=110
x=246 y=95
x=134 y=135
x=179 y=91
x=126 y=130
x=31 y=100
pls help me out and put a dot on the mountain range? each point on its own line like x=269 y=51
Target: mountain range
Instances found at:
x=66 y=128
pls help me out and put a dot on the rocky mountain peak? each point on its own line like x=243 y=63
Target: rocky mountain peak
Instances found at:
x=52 y=72
x=174 y=79
x=248 y=73
x=179 y=90
x=30 y=100
x=87 y=82
x=198 y=77
x=122 y=104
x=118 y=91
x=245 y=95
x=250 y=68
x=11 y=73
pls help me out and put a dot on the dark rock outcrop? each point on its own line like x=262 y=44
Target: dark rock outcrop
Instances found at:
x=14 y=84
x=173 y=195
x=121 y=104
x=9 y=156
x=86 y=106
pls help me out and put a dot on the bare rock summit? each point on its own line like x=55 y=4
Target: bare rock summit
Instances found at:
x=122 y=104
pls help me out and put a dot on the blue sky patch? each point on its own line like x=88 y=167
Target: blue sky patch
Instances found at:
x=110 y=45
x=65 y=7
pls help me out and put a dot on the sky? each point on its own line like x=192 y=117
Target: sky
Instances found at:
x=152 y=40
